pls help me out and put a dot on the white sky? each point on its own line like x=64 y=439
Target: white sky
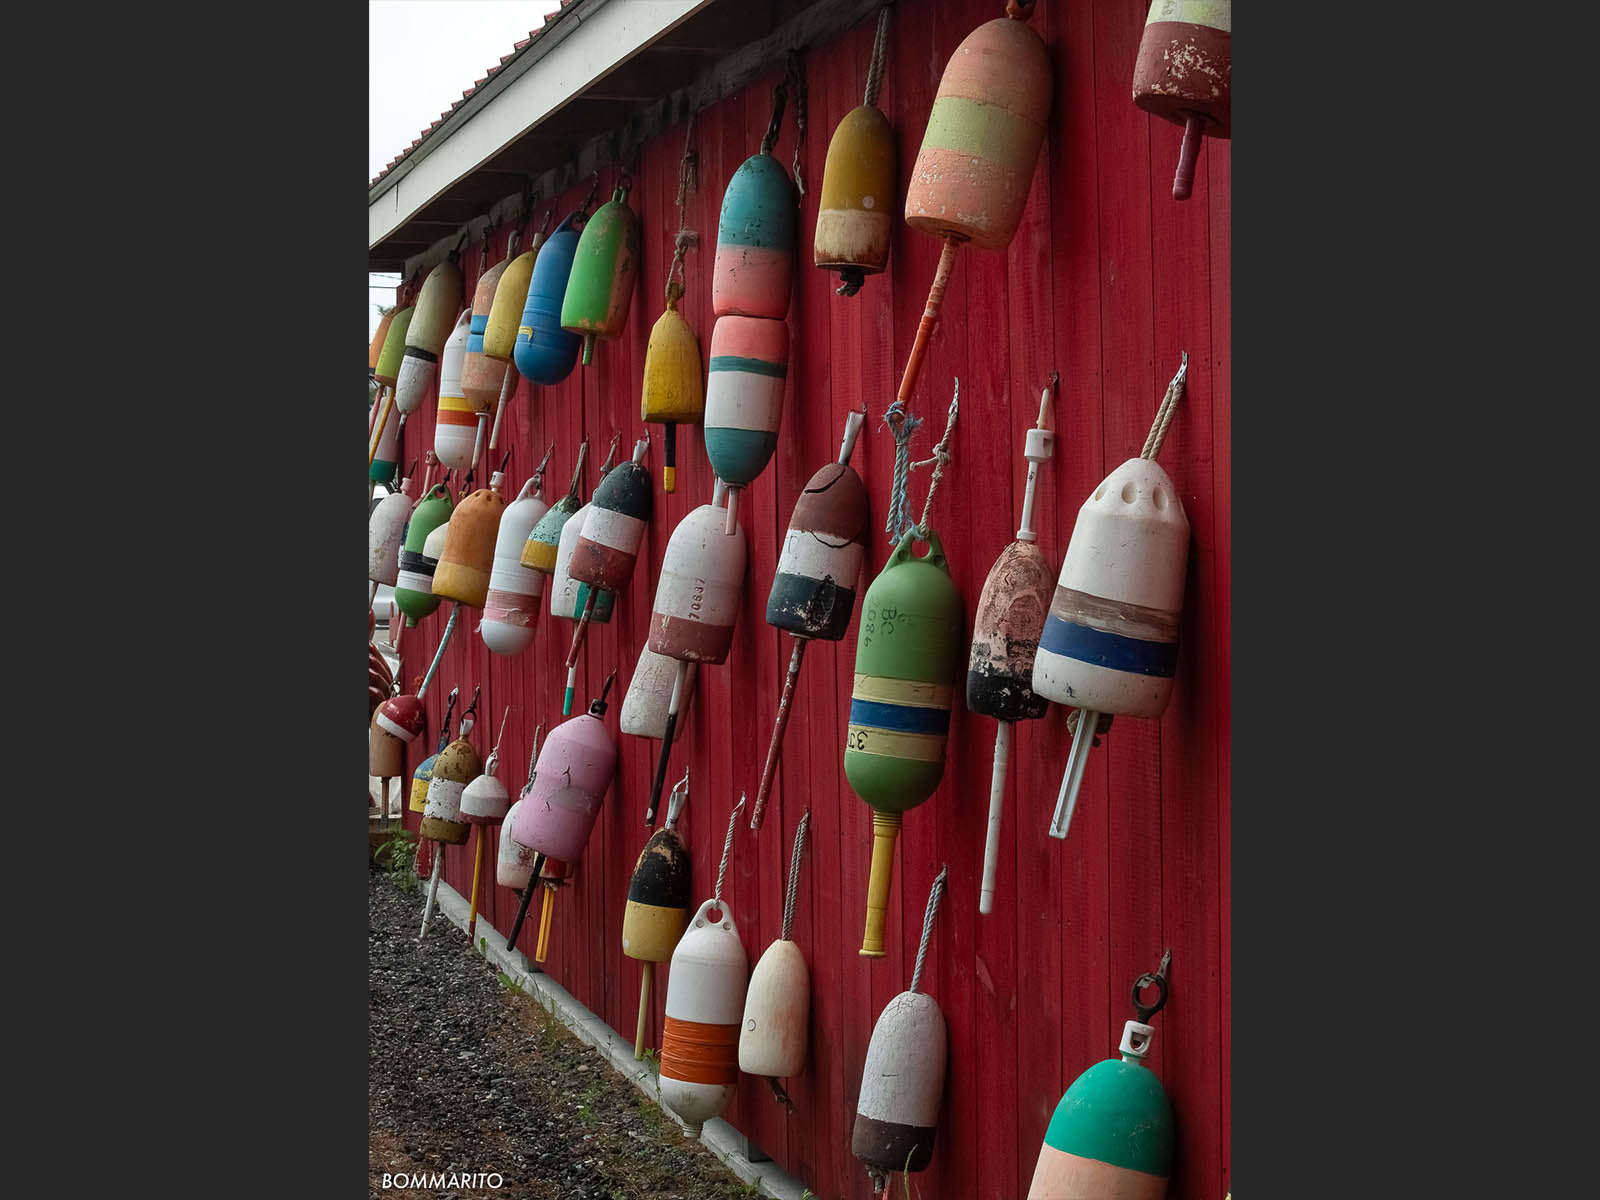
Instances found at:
x=422 y=54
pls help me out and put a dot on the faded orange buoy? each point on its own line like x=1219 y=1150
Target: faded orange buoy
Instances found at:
x=482 y=377
x=462 y=573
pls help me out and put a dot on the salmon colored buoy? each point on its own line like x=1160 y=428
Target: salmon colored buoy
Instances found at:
x=462 y=573
x=483 y=378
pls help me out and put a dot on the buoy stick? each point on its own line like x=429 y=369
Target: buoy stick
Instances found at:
x=885 y=829
x=669 y=472
x=648 y=969
x=527 y=894
x=377 y=435
x=506 y=389
x=572 y=655
x=666 y=741
x=930 y=319
x=383 y=819
x=1183 y=181
x=373 y=593
x=997 y=800
x=776 y=747
x=477 y=441
x=1076 y=759
x=433 y=890
x=444 y=640
x=477 y=868
x=547 y=908
x=733 y=505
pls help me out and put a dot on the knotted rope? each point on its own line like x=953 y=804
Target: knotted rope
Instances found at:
x=927 y=926
x=687 y=239
x=533 y=758
x=794 y=874
x=727 y=849
x=902 y=426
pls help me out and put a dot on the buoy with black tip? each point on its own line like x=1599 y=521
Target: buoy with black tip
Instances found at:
x=608 y=543
x=544 y=352
x=455 y=766
x=696 y=606
x=777 y=1007
x=1112 y=1135
x=705 y=1005
x=568 y=596
x=539 y=551
x=660 y=895
x=604 y=265
x=1005 y=637
x=484 y=801
x=975 y=168
x=553 y=876
x=574 y=773
x=1184 y=74
x=814 y=589
x=855 y=212
x=1110 y=641
x=672 y=393
x=897 y=1112
x=511 y=608
x=413 y=588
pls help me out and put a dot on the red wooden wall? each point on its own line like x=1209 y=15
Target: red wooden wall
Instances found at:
x=1108 y=280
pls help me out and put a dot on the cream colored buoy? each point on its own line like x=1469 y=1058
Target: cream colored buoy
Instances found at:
x=644 y=708
x=437 y=305
x=777 y=1008
x=386 y=528
x=515 y=863
x=511 y=609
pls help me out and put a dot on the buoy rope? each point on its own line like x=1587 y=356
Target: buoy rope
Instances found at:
x=534 y=757
x=687 y=238
x=727 y=849
x=594 y=186
x=880 y=43
x=927 y=926
x=794 y=874
x=901 y=426
x=1164 y=414
x=941 y=456
x=779 y=95
x=797 y=74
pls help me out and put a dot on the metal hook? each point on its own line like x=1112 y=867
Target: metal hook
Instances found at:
x=473 y=707
x=501 y=469
x=606 y=688
x=1158 y=980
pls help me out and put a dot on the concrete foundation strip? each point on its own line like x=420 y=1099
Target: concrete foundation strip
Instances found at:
x=721 y=1138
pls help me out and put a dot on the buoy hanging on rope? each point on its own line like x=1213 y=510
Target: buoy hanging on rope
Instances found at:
x=1110 y=642
x=453 y=768
x=897 y=1114
x=573 y=773
x=972 y=175
x=1184 y=74
x=484 y=801
x=754 y=267
x=413 y=589
x=386 y=371
x=855 y=211
x=673 y=392
x=1112 y=1134
x=484 y=378
x=777 y=1008
x=386 y=528
x=456 y=422
x=386 y=458
x=544 y=352
x=644 y=708
x=608 y=543
x=462 y=573
x=437 y=305
x=705 y=1004
x=696 y=606
x=510 y=294
x=814 y=589
x=539 y=551
x=511 y=609
x=568 y=596
x=744 y=398
x=378 y=335
x=515 y=864
x=1005 y=638
x=600 y=285
x=554 y=876
x=660 y=895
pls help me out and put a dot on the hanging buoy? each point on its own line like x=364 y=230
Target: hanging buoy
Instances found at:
x=484 y=801
x=456 y=422
x=553 y=876
x=574 y=771
x=1112 y=1134
x=529 y=879
x=600 y=284
x=567 y=595
x=386 y=753
x=908 y=663
x=387 y=368
x=378 y=336
x=744 y=398
x=456 y=766
x=423 y=775
x=539 y=551
x=696 y=605
x=972 y=175
x=672 y=393
x=514 y=862
x=897 y=1114
x=436 y=308
x=462 y=573
x=386 y=527
x=484 y=379
x=1184 y=74
x=607 y=544
x=814 y=589
x=544 y=352
x=858 y=185
x=386 y=458
x=705 y=1004
x=511 y=609
x=1005 y=638
x=400 y=717
x=644 y=708
x=756 y=240
x=659 y=897
x=777 y=1008
x=505 y=314
x=1110 y=641
x=413 y=590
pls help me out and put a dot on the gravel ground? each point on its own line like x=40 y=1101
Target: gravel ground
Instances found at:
x=465 y=1075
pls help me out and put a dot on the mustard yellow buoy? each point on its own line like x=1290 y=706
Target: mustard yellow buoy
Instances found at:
x=505 y=314
x=463 y=571
x=672 y=393
x=855 y=215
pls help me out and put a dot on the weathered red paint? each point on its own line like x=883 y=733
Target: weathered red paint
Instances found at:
x=1107 y=280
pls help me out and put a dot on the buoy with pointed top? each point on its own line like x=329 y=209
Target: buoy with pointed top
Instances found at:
x=908 y=664
x=660 y=895
x=573 y=774
x=604 y=266
x=511 y=608
x=413 y=589
x=484 y=801
x=814 y=589
x=462 y=573
x=436 y=308
x=544 y=352
x=672 y=393
x=544 y=539
x=1184 y=74
x=1110 y=641
x=1005 y=638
